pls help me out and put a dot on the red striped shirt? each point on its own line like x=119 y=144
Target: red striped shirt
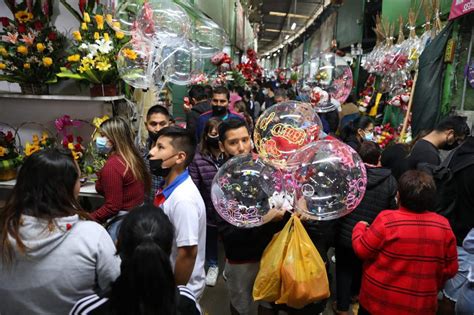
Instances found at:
x=407 y=259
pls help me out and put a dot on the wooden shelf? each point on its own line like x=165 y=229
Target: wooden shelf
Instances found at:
x=87 y=190
x=82 y=98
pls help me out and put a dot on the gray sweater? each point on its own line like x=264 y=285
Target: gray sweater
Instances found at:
x=63 y=263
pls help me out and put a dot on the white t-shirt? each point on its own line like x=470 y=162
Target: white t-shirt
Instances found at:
x=187 y=212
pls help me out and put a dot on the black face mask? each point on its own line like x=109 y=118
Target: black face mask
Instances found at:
x=213 y=142
x=157 y=170
x=218 y=110
x=153 y=136
x=449 y=147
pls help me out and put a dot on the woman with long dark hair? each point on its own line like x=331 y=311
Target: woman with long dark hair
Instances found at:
x=51 y=255
x=357 y=131
x=146 y=283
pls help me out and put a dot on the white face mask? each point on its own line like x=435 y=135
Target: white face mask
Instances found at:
x=369 y=136
x=265 y=92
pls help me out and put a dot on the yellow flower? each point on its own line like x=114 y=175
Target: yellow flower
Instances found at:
x=87 y=18
x=24 y=16
x=108 y=18
x=106 y=37
x=116 y=25
x=77 y=36
x=40 y=47
x=100 y=21
x=26 y=66
x=84 y=26
x=30 y=149
x=3 y=51
x=35 y=139
x=103 y=66
x=87 y=61
x=119 y=35
x=22 y=49
x=130 y=54
x=96 y=36
x=74 y=58
x=44 y=138
x=3 y=151
x=47 y=61
x=2 y=66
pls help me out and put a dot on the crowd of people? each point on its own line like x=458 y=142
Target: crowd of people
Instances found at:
x=152 y=247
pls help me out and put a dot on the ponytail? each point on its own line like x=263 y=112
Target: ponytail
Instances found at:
x=146 y=285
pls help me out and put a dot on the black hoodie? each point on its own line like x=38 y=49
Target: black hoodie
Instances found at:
x=379 y=195
x=192 y=116
x=462 y=188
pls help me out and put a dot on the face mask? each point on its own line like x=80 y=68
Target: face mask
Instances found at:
x=213 y=142
x=218 y=110
x=369 y=136
x=102 y=146
x=157 y=169
x=153 y=136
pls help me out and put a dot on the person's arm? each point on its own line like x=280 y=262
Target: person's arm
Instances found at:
x=366 y=241
x=184 y=264
x=185 y=219
x=451 y=259
x=108 y=263
x=192 y=118
x=111 y=182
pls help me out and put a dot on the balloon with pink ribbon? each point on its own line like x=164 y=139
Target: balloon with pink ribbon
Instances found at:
x=330 y=181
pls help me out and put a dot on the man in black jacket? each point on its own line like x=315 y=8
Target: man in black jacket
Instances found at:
x=379 y=195
x=200 y=104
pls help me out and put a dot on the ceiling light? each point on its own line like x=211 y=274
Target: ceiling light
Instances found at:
x=291 y=15
x=293 y=26
x=268 y=57
x=287 y=36
x=273 y=30
x=274 y=55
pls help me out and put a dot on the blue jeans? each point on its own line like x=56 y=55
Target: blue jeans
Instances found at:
x=465 y=303
x=113 y=225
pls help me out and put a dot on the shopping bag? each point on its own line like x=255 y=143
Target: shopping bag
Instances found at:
x=268 y=282
x=303 y=273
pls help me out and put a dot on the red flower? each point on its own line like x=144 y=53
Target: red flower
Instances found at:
x=52 y=36
x=79 y=139
x=5 y=21
x=21 y=28
x=70 y=138
x=68 y=226
x=82 y=5
x=78 y=147
x=65 y=143
x=38 y=25
x=9 y=136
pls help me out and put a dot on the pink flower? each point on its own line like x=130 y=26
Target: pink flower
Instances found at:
x=28 y=39
x=12 y=38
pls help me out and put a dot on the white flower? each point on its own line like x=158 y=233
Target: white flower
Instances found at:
x=104 y=46
x=84 y=46
x=92 y=51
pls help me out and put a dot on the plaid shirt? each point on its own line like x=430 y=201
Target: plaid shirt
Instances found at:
x=407 y=258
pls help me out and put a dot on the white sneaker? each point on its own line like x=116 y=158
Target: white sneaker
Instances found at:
x=211 y=277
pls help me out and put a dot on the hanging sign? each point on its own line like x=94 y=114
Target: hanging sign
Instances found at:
x=460 y=8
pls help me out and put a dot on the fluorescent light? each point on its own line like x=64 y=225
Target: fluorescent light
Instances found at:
x=291 y=15
x=287 y=36
x=274 y=55
x=273 y=30
x=268 y=57
x=293 y=26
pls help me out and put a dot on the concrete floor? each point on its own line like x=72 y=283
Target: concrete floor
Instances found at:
x=215 y=300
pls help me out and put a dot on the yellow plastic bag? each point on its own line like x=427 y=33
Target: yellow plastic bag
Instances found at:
x=268 y=282
x=303 y=274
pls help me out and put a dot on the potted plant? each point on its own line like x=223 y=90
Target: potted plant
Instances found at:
x=92 y=56
x=30 y=46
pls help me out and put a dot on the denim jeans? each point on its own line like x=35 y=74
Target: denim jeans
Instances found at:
x=113 y=225
x=465 y=303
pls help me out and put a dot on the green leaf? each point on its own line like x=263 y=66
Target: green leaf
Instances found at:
x=65 y=73
x=92 y=76
x=8 y=78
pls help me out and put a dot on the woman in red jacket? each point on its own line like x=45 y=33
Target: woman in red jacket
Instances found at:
x=124 y=178
x=408 y=253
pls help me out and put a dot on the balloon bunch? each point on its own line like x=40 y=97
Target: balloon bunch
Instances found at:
x=170 y=40
x=294 y=169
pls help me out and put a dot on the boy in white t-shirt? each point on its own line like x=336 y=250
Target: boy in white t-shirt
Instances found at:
x=183 y=204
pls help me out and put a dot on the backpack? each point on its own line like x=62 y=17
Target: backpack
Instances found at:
x=443 y=175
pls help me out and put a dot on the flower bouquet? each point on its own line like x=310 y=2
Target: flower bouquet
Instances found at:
x=38 y=144
x=9 y=157
x=31 y=49
x=92 y=57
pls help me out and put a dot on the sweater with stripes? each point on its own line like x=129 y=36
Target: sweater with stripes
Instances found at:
x=407 y=258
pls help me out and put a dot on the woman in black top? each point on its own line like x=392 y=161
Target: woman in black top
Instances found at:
x=146 y=284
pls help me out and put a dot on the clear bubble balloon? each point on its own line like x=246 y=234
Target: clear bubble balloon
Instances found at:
x=177 y=65
x=334 y=75
x=283 y=129
x=241 y=190
x=330 y=181
x=134 y=63
x=165 y=22
x=122 y=15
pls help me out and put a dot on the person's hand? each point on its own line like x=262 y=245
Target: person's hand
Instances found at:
x=187 y=105
x=273 y=215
